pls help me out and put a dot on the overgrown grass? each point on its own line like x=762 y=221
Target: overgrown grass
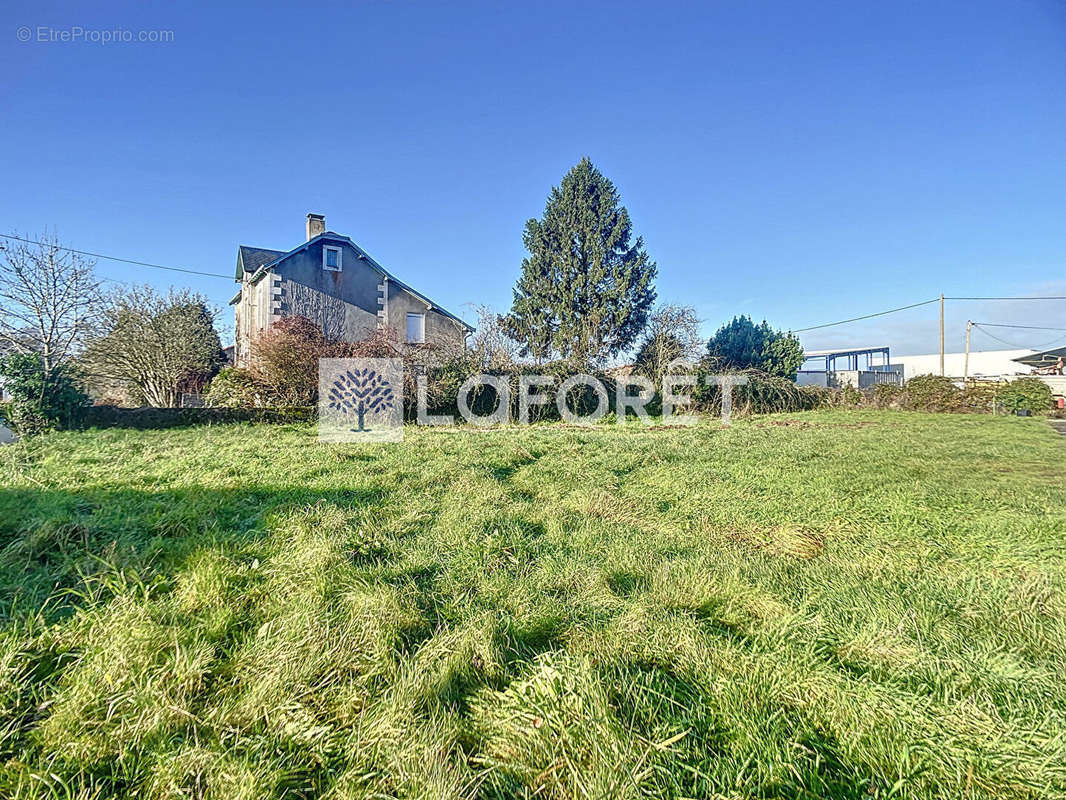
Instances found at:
x=825 y=604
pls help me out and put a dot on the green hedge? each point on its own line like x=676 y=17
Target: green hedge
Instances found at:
x=937 y=393
x=155 y=418
x=41 y=402
x=763 y=394
x=1030 y=394
x=931 y=393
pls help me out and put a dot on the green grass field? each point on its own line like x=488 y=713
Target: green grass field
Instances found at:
x=830 y=604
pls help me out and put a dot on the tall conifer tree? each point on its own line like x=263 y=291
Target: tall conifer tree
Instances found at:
x=585 y=289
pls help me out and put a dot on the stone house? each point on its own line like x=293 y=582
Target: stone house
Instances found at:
x=333 y=281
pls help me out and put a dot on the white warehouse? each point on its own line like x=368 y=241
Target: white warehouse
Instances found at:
x=983 y=364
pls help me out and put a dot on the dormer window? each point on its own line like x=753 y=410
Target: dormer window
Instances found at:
x=331 y=258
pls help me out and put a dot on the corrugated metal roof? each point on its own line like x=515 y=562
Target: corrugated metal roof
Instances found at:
x=1044 y=358
x=842 y=351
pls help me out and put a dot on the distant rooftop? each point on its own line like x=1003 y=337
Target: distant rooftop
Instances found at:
x=1043 y=358
x=850 y=356
x=844 y=351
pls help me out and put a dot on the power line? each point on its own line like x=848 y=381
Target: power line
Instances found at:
x=925 y=303
x=116 y=258
x=1015 y=344
x=1056 y=297
x=797 y=330
x=867 y=316
x=1026 y=327
x=998 y=339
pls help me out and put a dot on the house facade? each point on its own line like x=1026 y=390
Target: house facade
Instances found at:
x=331 y=280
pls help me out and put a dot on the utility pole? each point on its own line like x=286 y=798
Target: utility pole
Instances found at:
x=966 y=363
x=941 y=333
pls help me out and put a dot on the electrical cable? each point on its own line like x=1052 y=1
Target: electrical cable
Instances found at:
x=116 y=258
x=1026 y=327
x=866 y=316
x=1054 y=297
x=1015 y=344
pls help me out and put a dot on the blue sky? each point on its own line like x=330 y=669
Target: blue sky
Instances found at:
x=799 y=162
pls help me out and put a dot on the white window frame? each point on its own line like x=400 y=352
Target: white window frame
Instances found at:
x=407 y=330
x=340 y=257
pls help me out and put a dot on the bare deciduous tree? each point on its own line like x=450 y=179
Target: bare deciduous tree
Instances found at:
x=490 y=345
x=48 y=299
x=672 y=336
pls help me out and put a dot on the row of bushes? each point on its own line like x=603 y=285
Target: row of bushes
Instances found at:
x=285 y=372
x=936 y=393
x=235 y=387
x=762 y=394
x=237 y=397
x=158 y=418
x=767 y=394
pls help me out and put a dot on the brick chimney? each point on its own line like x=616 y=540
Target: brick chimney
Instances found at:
x=316 y=224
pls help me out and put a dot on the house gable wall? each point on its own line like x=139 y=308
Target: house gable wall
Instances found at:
x=344 y=303
x=348 y=304
x=440 y=329
x=253 y=314
x=356 y=283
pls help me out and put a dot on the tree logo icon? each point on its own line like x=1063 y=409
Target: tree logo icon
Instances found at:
x=360 y=392
x=360 y=399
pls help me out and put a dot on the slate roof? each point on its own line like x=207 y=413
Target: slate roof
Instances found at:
x=250 y=259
